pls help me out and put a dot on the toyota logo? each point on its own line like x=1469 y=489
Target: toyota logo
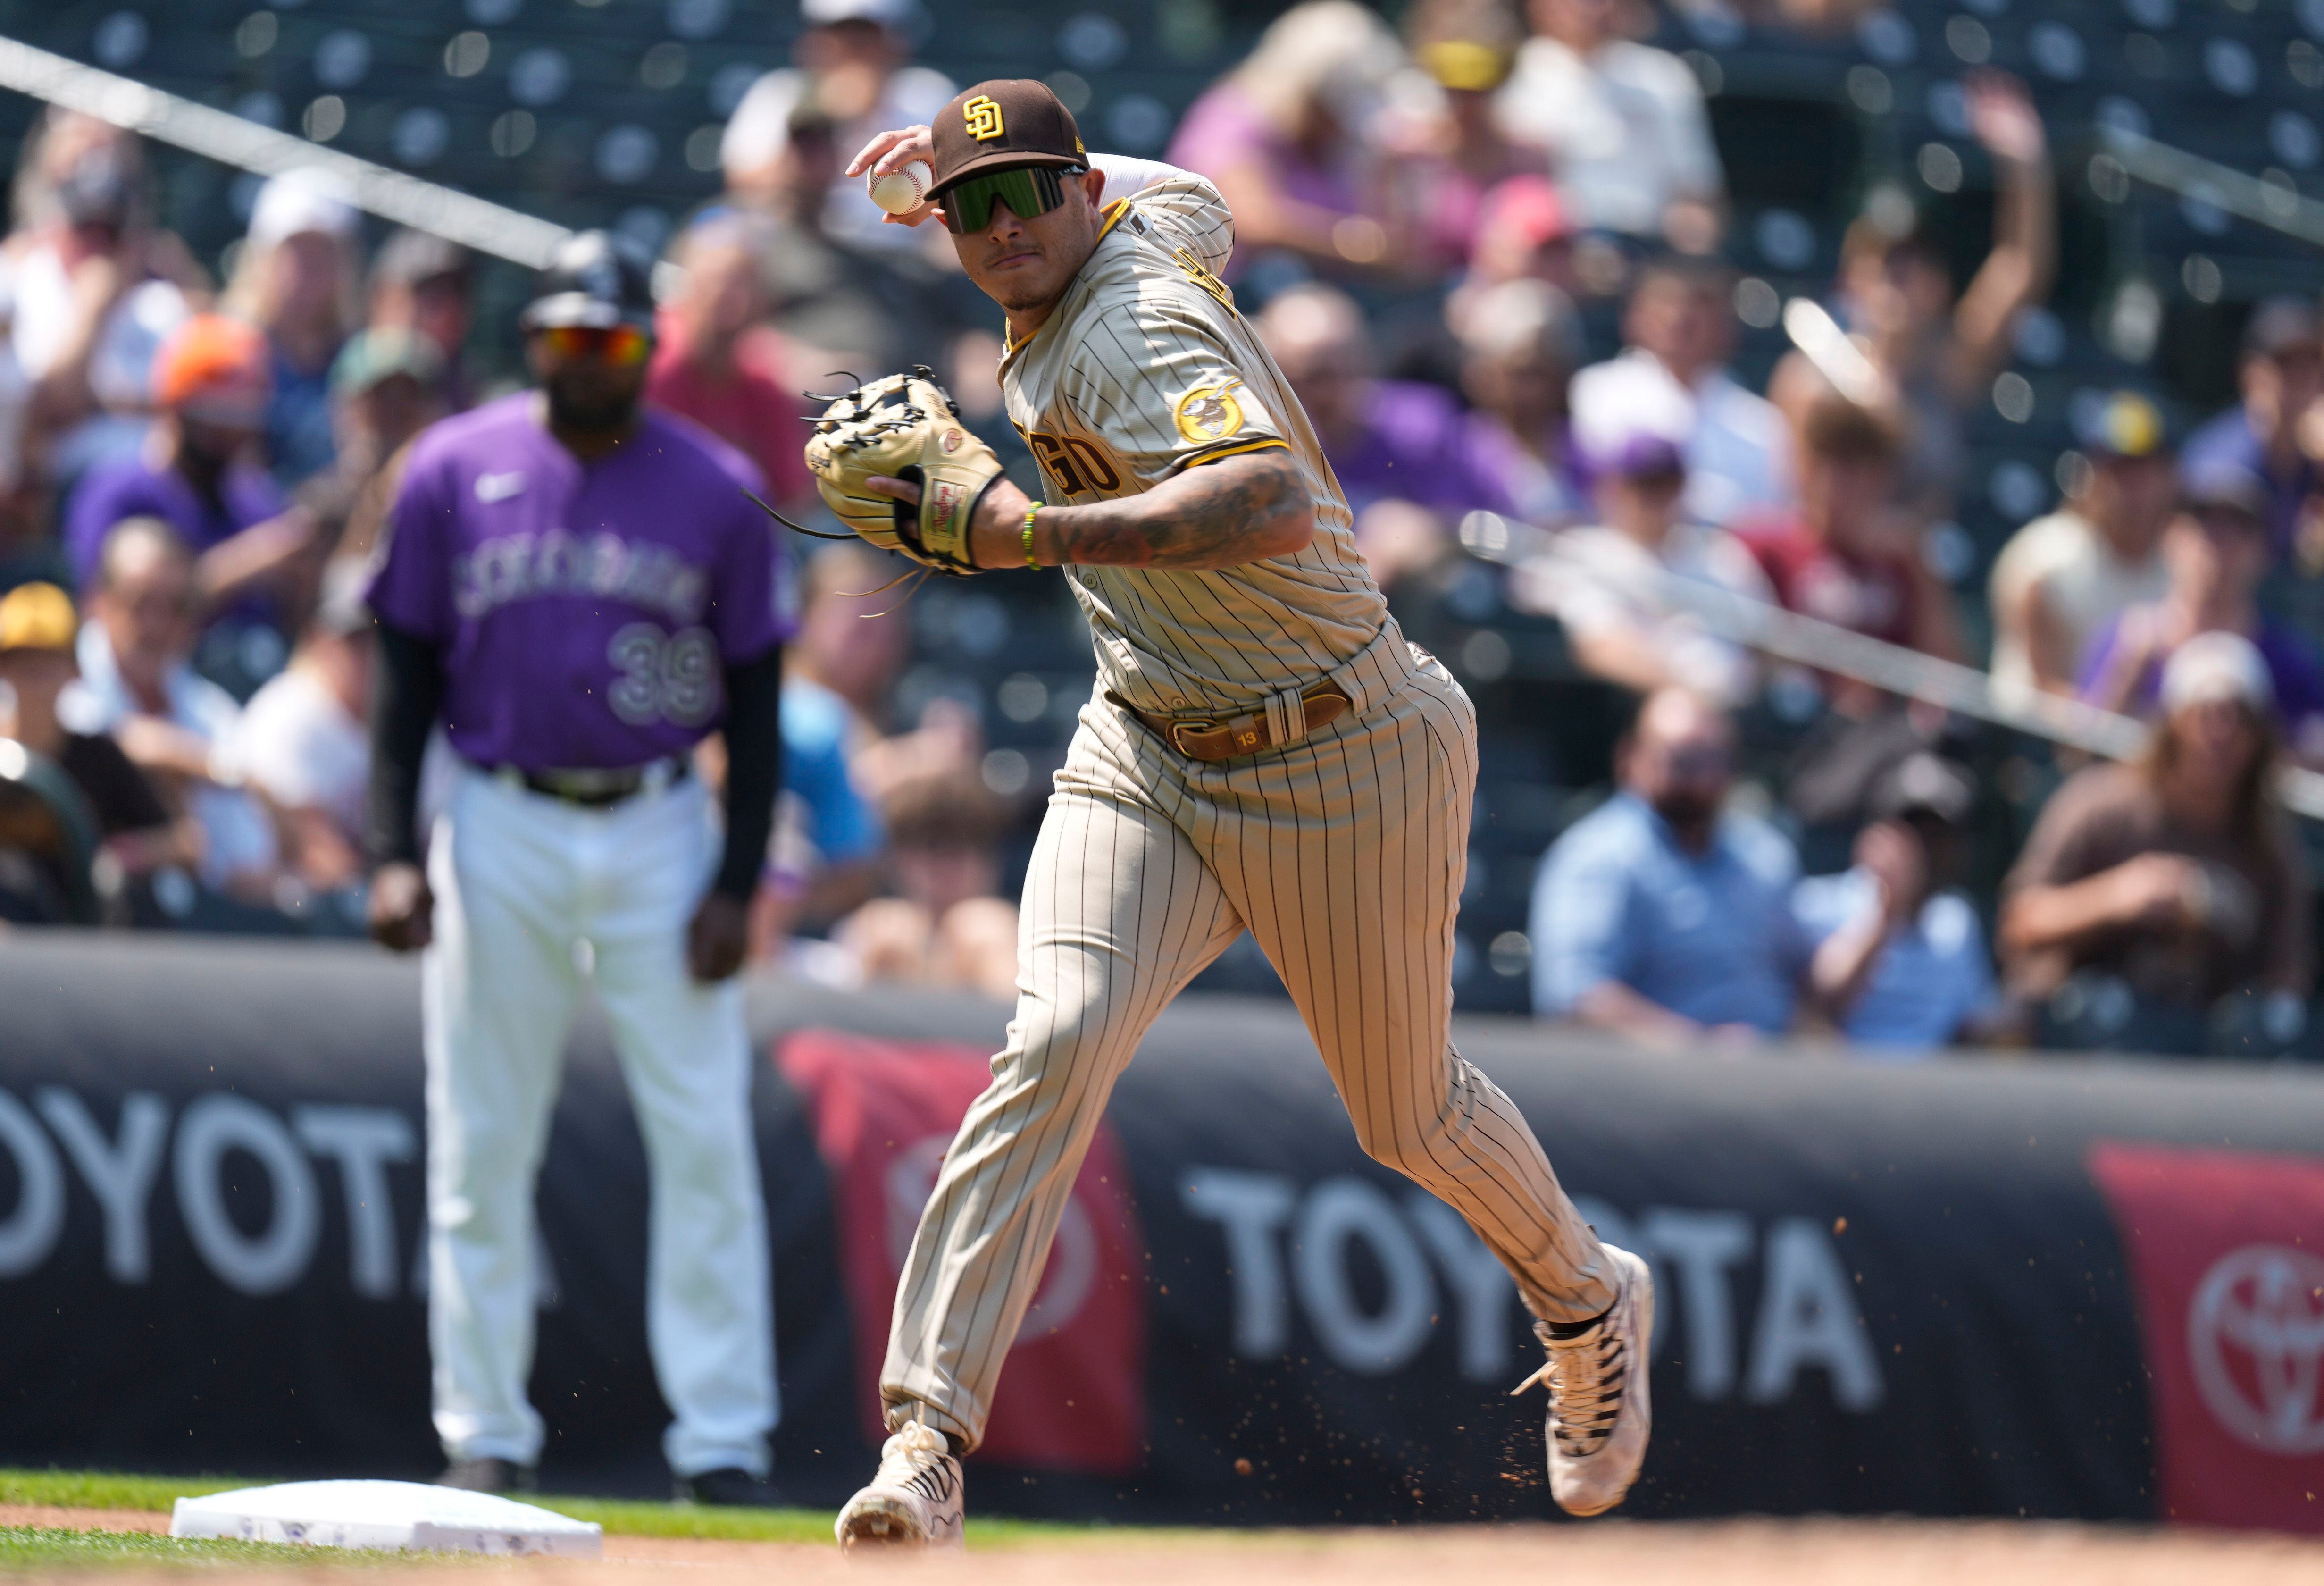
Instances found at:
x=2255 y=1335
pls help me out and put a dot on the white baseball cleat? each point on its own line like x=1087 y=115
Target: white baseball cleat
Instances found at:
x=914 y=1501
x=1600 y=1409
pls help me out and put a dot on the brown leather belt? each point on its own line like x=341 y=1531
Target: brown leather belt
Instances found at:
x=1212 y=738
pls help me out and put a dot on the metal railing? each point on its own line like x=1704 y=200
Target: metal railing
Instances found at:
x=248 y=145
x=1788 y=636
x=2277 y=205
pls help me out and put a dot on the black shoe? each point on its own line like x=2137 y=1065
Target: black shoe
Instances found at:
x=490 y=1475
x=731 y=1488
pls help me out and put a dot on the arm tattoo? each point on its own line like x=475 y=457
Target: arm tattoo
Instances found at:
x=1241 y=510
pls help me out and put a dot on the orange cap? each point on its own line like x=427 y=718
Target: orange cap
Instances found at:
x=215 y=368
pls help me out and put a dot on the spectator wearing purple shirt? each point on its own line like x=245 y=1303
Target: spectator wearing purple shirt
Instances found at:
x=1282 y=135
x=1407 y=458
x=2217 y=552
x=198 y=474
x=577 y=587
x=2281 y=376
x=1519 y=345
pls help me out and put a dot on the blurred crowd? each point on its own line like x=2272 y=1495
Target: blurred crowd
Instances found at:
x=1487 y=247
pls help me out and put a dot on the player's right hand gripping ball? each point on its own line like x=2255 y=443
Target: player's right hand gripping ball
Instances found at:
x=905 y=427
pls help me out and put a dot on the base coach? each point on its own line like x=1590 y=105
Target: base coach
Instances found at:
x=576 y=588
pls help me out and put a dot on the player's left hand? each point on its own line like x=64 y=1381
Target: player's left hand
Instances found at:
x=718 y=938
x=888 y=430
x=892 y=150
x=996 y=532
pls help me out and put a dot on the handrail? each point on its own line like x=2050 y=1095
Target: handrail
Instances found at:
x=237 y=141
x=1895 y=669
x=2275 y=205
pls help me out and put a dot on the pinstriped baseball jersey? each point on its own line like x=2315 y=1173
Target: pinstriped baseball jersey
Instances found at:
x=1343 y=850
x=1146 y=368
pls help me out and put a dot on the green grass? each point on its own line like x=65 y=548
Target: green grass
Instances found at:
x=632 y=1517
x=32 y=1549
x=106 y=1489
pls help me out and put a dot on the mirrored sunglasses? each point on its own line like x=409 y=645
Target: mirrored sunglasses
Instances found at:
x=1027 y=190
x=625 y=345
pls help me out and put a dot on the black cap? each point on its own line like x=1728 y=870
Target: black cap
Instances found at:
x=595 y=280
x=1009 y=122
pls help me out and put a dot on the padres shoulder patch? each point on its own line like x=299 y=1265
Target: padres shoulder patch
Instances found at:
x=1209 y=413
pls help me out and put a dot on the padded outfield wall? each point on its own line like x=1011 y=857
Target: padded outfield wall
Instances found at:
x=2066 y=1288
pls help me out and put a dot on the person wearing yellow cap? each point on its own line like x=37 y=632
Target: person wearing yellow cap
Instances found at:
x=37 y=629
x=1455 y=150
x=2063 y=577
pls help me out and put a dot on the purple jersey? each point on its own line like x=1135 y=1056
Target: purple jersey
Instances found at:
x=585 y=611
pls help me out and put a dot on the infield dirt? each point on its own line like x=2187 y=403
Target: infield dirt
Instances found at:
x=1740 y=1553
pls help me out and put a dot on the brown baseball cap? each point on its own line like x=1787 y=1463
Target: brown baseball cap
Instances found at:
x=1008 y=122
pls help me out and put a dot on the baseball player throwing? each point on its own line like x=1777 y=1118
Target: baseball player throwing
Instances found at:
x=1264 y=750
x=578 y=589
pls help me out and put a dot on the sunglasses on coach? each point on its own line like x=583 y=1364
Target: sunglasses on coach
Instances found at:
x=622 y=345
x=1027 y=190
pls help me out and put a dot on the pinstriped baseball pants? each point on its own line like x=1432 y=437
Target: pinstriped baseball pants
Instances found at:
x=1344 y=855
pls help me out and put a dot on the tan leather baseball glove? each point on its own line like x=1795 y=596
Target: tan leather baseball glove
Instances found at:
x=905 y=427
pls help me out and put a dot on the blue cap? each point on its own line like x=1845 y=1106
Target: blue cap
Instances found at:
x=2222 y=482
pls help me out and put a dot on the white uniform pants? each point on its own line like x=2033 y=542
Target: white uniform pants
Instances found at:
x=520 y=880
x=1344 y=855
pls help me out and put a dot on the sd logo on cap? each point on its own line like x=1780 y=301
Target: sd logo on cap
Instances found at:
x=982 y=117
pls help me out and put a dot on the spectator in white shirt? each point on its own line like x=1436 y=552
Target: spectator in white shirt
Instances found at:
x=850 y=71
x=1605 y=582
x=1672 y=380
x=92 y=288
x=176 y=726
x=1623 y=122
x=301 y=743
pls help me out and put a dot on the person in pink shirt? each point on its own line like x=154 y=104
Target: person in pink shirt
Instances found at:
x=716 y=365
x=1283 y=136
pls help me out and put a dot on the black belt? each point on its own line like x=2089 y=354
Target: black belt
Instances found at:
x=596 y=789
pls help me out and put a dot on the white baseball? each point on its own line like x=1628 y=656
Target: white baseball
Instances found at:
x=902 y=190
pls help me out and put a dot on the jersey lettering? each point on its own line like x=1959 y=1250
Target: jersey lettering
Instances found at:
x=1074 y=465
x=1202 y=277
x=512 y=568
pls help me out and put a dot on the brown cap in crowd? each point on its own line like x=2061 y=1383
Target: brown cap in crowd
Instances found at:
x=1011 y=121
